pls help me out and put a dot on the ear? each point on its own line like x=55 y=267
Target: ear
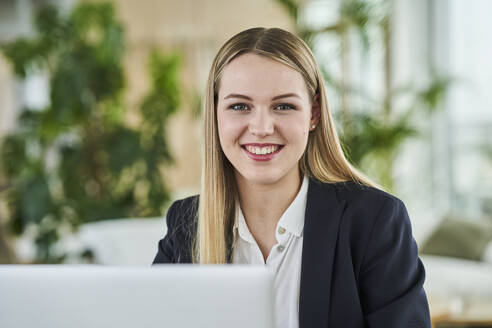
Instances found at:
x=315 y=112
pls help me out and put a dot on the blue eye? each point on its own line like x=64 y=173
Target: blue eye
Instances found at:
x=244 y=107
x=239 y=107
x=285 y=107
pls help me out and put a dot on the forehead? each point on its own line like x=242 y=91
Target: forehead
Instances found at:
x=259 y=76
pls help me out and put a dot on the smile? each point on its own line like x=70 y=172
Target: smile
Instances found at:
x=262 y=153
x=262 y=150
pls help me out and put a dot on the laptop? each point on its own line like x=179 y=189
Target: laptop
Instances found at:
x=76 y=296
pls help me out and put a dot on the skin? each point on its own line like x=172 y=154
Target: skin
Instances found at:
x=266 y=189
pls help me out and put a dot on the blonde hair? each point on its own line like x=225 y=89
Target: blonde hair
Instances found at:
x=322 y=160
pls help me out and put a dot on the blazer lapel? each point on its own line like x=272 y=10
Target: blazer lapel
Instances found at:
x=322 y=219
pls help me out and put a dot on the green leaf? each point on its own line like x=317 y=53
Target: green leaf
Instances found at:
x=432 y=96
x=36 y=201
x=23 y=54
x=77 y=161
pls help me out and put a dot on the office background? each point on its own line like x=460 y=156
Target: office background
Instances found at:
x=93 y=155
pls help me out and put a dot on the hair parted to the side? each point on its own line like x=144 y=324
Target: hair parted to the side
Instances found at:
x=322 y=160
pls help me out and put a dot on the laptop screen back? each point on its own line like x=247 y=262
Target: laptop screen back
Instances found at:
x=124 y=297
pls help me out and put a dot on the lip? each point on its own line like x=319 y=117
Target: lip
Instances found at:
x=259 y=157
x=261 y=144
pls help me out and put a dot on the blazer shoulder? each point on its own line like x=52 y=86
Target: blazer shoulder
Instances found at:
x=358 y=194
x=181 y=221
x=186 y=205
x=182 y=213
x=363 y=204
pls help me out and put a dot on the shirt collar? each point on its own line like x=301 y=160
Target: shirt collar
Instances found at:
x=292 y=220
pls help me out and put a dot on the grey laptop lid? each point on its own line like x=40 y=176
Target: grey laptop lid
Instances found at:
x=161 y=296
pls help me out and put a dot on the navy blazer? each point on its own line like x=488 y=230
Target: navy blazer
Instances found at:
x=360 y=264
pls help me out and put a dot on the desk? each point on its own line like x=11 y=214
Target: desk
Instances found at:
x=459 y=313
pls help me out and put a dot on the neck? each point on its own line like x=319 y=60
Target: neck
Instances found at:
x=264 y=204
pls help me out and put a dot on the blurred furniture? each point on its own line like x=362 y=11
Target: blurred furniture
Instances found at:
x=477 y=316
x=455 y=312
x=117 y=242
x=457 y=255
x=459 y=291
x=461 y=237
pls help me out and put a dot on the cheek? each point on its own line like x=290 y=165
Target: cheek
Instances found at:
x=229 y=129
x=306 y=124
x=297 y=130
x=305 y=131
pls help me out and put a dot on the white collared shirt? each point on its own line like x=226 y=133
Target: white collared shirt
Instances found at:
x=284 y=258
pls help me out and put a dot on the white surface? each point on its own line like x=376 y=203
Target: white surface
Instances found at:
x=128 y=297
x=119 y=242
x=130 y=241
x=448 y=277
x=487 y=255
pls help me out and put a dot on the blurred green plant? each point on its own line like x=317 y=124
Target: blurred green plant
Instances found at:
x=372 y=136
x=77 y=160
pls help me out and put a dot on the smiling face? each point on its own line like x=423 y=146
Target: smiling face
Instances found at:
x=264 y=116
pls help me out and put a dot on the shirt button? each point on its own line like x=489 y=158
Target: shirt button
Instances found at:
x=280 y=248
x=281 y=230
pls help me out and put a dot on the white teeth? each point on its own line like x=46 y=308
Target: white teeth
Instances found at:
x=262 y=150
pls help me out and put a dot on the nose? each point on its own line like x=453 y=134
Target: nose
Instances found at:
x=261 y=123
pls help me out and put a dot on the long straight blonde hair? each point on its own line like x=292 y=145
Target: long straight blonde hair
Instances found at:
x=323 y=158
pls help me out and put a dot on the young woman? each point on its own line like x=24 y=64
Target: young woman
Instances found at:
x=278 y=191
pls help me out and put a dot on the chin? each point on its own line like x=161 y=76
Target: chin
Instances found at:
x=262 y=178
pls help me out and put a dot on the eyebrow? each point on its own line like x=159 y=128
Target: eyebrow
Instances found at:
x=236 y=95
